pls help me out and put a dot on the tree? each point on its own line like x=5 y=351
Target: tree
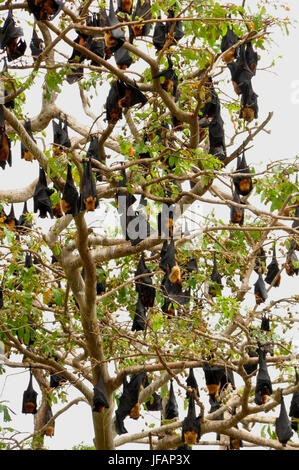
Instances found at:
x=137 y=306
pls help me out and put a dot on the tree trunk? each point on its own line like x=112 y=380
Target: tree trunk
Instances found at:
x=104 y=428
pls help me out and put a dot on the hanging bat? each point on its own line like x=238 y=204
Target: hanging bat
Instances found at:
x=45 y=10
x=291 y=264
x=159 y=36
x=191 y=382
x=260 y=261
x=36 y=45
x=263 y=386
x=236 y=213
x=191 y=429
x=170 y=82
x=260 y=290
x=251 y=57
x=28 y=260
x=101 y=281
x=243 y=184
x=139 y=320
x=171 y=407
x=265 y=325
x=240 y=72
x=211 y=108
x=57 y=380
x=128 y=402
x=125 y=6
x=24 y=224
x=25 y=153
x=113 y=110
x=216 y=138
x=115 y=38
x=130 y=95
x=249 y=105
x=94 y=152
x=143 y=12
x=70 y=195
x=213 y=375
x=122 y=58
x=215 y=280
x=10 y=35
x=144 y=286
x=229 y=40
x=11 y=220
x=100 y=398
x=41 y=197
x=61 y=139
x=49 y=431
x=29 y=405
x=88 y=196
x=96 y=44
x=5 y=144
x=273 y=271
x=283 y=426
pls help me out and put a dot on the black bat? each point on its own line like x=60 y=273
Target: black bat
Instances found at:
x=265 y=325
x=29 y=405
x=122 y=58
x=236 y=213
x=283 y=427
x=171 y=407
x=45 y=10
x=213 y=375
x=144 y=286
x=216 y=138
x=243 y=184
x=61 y=139
x=49 y=431
x=70 y=195
x=159 y=36
x=113 y=110
x=9 y=86
x=191 y=429
x=125 y=6
x=295 y=224
x=191 y=382
x=292 y=261
x=170 y=82
x=1 y=297
x=130 y=95
x=5 y=144
x=100 y=398
x=178 y=31
x=165 y=221
x=273 y=271
x=260 y=291
x=115 y=38
x=101 y=281
x=24 y=224
x=260 y=261
x=263 y=386
x=96 y=44
x=94 y=152
x=41 y=197
x=128 y=402
x=77 y=58
x=215 y=280
x=10 y=35
x=240 y=72
x=294 y=407
x=89 y=198
x=56 y=380
x=139 y=320
x=249 y=105
x=25 y=153
x=28 y=260
x=154 y=403
x=251 y=57
x=143 y=12
x=36 y=45
x=229 y=40
x=11 y=220
x=211 y=108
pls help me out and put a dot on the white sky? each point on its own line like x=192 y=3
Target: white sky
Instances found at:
x=277 y=93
